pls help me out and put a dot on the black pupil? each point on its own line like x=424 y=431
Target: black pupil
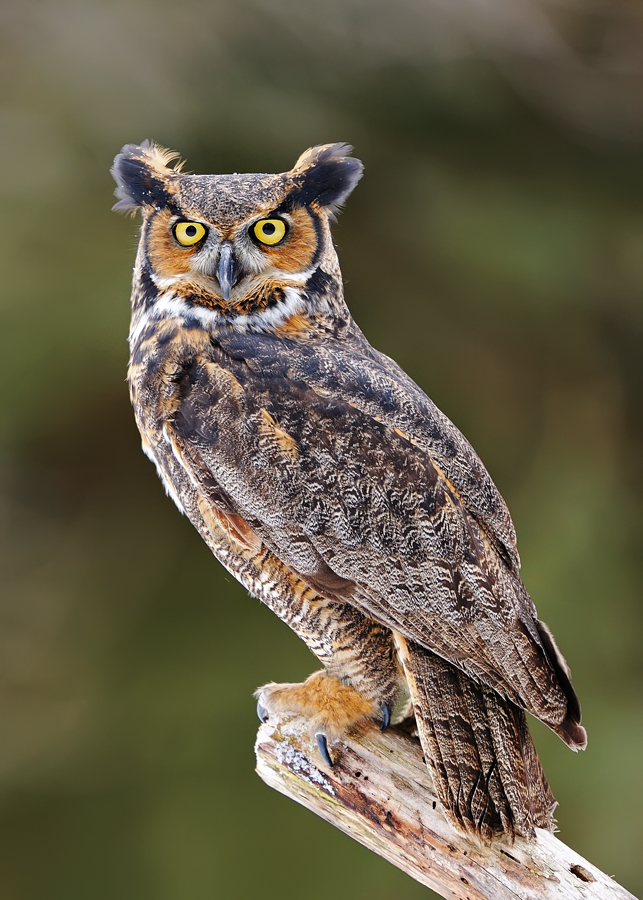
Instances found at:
x=268 y=228
x=191 y=230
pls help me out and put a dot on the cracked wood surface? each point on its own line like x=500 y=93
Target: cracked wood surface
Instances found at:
x=380 y=793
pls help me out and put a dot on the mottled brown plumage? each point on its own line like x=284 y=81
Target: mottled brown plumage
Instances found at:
x=330 y=485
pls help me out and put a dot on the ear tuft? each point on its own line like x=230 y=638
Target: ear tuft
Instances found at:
x=326 y=175
x=142 y=176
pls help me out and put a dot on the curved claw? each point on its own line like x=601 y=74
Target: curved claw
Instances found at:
x=386 y=716
x=262 y=712
x=322 y=746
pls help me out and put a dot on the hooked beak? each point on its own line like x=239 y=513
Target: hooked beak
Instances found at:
x=227 y=270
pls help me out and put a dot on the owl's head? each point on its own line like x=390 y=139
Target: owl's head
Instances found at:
x=250 y=249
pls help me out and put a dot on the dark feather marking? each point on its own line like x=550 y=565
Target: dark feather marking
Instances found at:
x=319 y=284
x=147 y=292
x=137 y=183
x=572 y=732
x=329 y=178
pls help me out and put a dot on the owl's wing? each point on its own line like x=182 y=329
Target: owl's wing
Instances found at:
x=358 y=508
x=352 y=371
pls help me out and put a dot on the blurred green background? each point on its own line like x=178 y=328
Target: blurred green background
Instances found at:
x=494 y=248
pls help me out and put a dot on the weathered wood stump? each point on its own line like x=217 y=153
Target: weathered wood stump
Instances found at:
x=380 y=793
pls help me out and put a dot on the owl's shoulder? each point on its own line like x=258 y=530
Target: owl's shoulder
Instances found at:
x=240 y=374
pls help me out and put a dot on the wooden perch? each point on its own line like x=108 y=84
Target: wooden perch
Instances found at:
x=380 y=793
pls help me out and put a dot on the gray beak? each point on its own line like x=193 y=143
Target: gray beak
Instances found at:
x=227 y=270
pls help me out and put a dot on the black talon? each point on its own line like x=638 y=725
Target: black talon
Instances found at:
x=386 y=716
x=262 y=712
x=322 y=746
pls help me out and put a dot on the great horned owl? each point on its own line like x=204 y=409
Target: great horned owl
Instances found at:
x=329 y=484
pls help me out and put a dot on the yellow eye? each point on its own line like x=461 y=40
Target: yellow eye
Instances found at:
x=270 y=231
x=189 y=233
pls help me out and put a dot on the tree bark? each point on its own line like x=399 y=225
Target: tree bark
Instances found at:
x=380 y=793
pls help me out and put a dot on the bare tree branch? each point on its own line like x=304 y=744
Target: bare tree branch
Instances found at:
x=380 y=793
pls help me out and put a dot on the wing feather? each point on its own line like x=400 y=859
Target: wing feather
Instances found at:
x=345 y=496
x=353 y=372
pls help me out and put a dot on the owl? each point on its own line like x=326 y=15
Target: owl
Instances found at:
x=327 y=482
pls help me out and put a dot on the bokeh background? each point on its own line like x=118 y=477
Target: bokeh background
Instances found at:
x=494 y=248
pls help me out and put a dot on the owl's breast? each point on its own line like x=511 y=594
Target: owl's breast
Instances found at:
x=160 y=354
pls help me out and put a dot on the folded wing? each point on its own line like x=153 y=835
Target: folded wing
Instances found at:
x=371 y=512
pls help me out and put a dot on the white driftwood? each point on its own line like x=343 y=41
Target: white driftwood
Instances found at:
x=380 y=793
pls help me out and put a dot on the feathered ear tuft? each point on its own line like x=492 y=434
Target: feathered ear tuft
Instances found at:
x=142 y=176
x=326 y=175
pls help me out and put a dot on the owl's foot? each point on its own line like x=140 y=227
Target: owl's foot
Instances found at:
x=330 y=707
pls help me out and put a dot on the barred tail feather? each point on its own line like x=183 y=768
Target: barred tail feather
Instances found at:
x=479 y=750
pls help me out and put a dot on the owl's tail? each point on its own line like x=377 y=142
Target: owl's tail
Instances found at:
x=479 y=751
